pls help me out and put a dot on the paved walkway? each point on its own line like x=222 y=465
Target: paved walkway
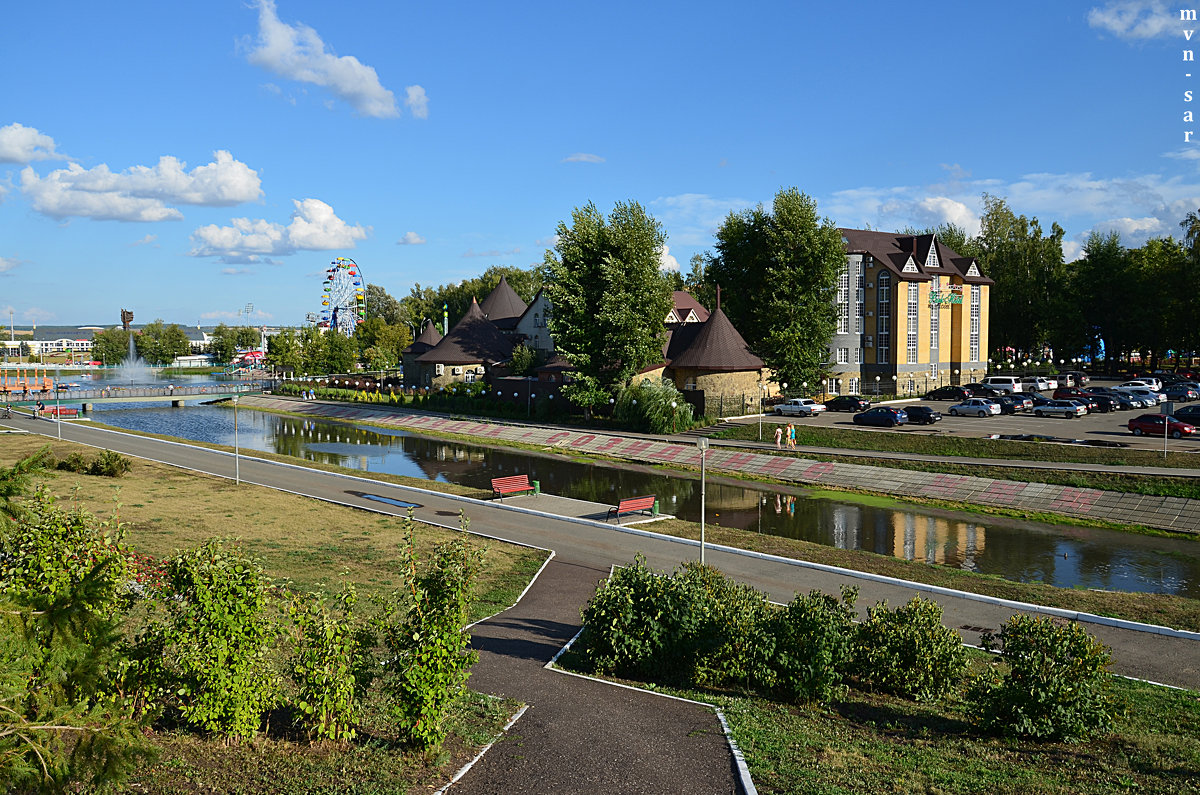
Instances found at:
x=1164 y=513
x=586 y=737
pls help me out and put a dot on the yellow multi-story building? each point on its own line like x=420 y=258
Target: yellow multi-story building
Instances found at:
x=912 y=315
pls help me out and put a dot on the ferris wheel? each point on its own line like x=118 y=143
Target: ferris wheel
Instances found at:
x=343 y=297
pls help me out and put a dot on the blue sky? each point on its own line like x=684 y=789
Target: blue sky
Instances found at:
x=184 y=160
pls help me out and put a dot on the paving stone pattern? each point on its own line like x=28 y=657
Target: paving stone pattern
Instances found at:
x=1164 y=513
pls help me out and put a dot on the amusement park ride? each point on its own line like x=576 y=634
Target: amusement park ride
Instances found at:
x=343 y=297
x=26 y=380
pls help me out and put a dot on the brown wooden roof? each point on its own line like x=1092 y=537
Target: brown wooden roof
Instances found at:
x=684 y=301
x=894 y=250
x=473 y=340
x=428 y=338
x=712 y=345
x=503 y=306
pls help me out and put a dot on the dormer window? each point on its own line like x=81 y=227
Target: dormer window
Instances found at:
x=932 y=260
x=910 y=266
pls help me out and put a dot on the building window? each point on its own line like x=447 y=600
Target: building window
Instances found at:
x=932 y=260
x=843 y=355
x=974 y=322
x=860 y=297
x=858 y=355
x=843 y=300
x=884 y=324
x=935 y=315
x=690 y=383
x=855 y=387
x=914 y=310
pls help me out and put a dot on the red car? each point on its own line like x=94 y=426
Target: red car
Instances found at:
x=1152 y=425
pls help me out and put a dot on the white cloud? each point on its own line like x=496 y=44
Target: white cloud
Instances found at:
x=298 y=53
x=21 y=144
x=1134 y=19
x=666 y=261
x=145 y=241
x=583 y=157
x=410 y=239
x=1072 y=250
x=140 y=193
x=692 y=218
x=8 y=263
x=35 y=314
x=933 y=211
x=235 y=271
x=416 y=102
x=314 y=227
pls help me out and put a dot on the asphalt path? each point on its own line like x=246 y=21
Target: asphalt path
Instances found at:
x=532 y=632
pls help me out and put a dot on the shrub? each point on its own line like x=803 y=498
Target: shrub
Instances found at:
x=733 y=644
x=627 y=622
x=908 y=651
x=814 y=639
x=74 y=462
x=214 y=640
x=426 y=661
x=654 y=407
x=1057 y=685
x=110 y=464
x=324 y=667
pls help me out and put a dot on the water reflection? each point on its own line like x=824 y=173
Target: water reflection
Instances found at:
x=1023 y=551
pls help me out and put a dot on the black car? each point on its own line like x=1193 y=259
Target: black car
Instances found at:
x=1038 y=398
x=955 y=393
x=886 y=416
x=1104 y=403
x=983 y=391
x=1190 y=414
x=920 y=415
x=1011 y=404
x=848 y=403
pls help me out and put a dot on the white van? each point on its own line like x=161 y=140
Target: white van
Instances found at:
x=1003 y=383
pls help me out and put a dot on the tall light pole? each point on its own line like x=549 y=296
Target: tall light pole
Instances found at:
x=237 y=472
x=58 y=401
x=702 y=443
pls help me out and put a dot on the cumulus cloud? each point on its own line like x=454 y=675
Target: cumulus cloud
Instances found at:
x=933 y=211
x=297 y=52
x=583 y=157
x=21 y=144
x=666 y=261
x=235 y=271
x=8 y=263
x=410 y=239
x=314 y=227
x=1134 y=19
x=416 y=102
x=692 y=218
x=140 y=193
x=145 y=241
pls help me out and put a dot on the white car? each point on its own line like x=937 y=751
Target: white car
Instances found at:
x=979 y=407
x=1148 y=396
x=1153 y=384
x=1039 y=383
x=800 y=407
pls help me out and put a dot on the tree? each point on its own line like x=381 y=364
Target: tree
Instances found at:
x=283 y=349
x=779 y=271
x=341 y=354
x=312 y=350
x=696 y=282
x=223 y=344
x=609 y=298
x=158 y=343
x=381 y=305
x=426 y=302
x=110 y=346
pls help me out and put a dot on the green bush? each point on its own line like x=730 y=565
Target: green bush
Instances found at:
x=74 y=462
x=110 y=464
x=653 y=407
x=733 y=644
x=627 y=622
x=1057 y=686
x=814 y=641
x=908 y=651
x=426 y=661
x=325 y=665
x=213 y=666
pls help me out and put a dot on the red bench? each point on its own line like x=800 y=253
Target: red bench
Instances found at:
x=52 y=411
x=512 y=484
x=630 y=505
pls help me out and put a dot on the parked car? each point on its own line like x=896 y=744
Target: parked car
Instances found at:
x=1067 y=408
x=1181 y=393
x=1067 y=392
x=1004 y=383
x=981 y=390
x=918 y=415
x=1011 y=404
x=1037 y=398
x=1104 y=403
x=949 y=393
x=1153 y=384
x=1124 y=400
x=1160 y=424
x=799 y=407
x=886 y=416
x=1087 y=401
x=979 y=407
x=1075 y=377
x=1039 y=382
x=1148 y=397
x=848 y=403
x=1188 y=414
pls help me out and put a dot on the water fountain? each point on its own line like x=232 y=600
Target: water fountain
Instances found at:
x=134 y=370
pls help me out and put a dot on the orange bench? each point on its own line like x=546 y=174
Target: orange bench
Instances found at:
x=512 y=484
x=630 y=505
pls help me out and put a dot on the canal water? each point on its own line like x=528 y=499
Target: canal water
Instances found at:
x=1023 y=551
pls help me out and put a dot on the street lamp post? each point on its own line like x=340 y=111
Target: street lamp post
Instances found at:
x=877 y=387
x=702 y=443
x=237 y=470
x=58 y=401
x=761 y=407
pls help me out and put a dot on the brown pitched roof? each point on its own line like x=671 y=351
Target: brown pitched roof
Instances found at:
x=893 y=250
x=685 y=301
x=713 y=345
x=428 y=338
x=473 y=339
x=503 y=306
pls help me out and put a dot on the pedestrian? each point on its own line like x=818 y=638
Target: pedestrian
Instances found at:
x=38 y=409
x=778 y=437
x=791 y=436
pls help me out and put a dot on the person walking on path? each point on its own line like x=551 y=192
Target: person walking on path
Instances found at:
x=778 y=437
x=791 y=436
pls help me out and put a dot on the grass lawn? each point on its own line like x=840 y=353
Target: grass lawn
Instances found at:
x=308 y=543
x=882 y=744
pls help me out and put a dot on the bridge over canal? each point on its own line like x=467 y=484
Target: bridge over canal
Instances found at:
x=85 y=399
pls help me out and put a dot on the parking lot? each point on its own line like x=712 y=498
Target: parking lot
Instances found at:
x=1097 y=426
